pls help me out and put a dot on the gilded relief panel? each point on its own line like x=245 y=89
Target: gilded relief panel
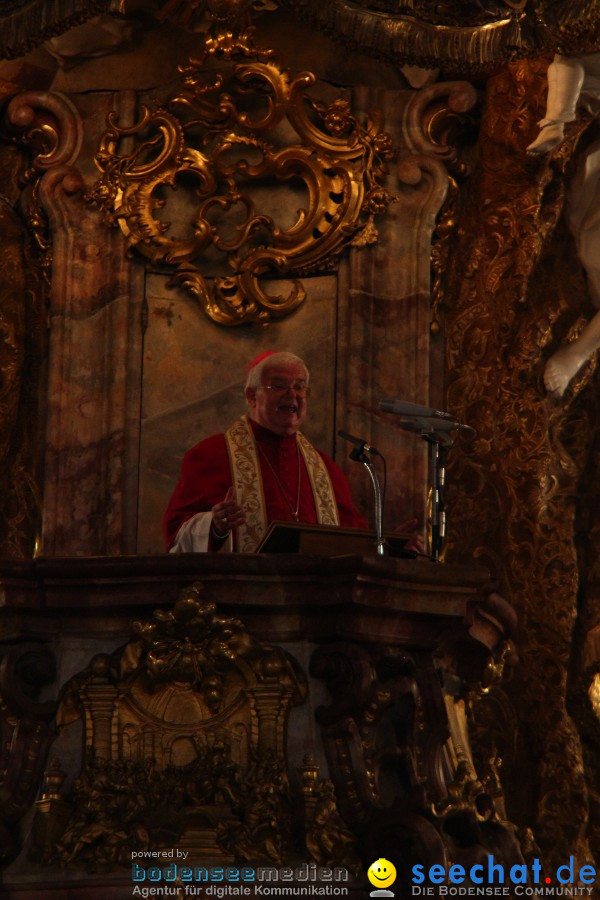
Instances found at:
x=185 y=734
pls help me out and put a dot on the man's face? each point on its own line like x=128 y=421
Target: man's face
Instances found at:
x=280 y=403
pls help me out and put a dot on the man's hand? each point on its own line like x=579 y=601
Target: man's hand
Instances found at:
x=227 y=515
x=416 y=541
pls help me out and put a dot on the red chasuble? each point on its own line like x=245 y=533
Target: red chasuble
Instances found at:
x=206 y=477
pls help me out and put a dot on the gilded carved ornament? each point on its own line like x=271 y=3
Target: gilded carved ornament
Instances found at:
x=224 y=142
x=594 y=694
x=184 y=728
x=397 y=741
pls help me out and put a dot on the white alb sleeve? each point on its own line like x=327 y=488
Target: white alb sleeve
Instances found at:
x=193 y=536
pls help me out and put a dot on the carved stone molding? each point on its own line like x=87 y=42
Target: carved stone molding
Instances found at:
x=48 y=128
x=46 y=131
x=437 y=119
x=49 y=125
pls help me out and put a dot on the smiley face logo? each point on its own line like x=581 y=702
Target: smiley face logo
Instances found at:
x=381 y=873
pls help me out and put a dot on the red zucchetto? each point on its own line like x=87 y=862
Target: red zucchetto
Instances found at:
x=259 y=359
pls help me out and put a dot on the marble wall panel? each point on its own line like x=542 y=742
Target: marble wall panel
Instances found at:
x=194 y=375
x=384 y=325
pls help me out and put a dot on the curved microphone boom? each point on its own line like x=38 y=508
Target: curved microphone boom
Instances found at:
x=359 y=454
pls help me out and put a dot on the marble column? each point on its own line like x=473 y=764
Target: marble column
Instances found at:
x=95 y=338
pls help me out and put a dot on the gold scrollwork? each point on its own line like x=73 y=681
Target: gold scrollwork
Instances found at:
x=466 y=795
x=224 y=140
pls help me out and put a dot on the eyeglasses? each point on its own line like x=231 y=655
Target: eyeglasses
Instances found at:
x=282 y=387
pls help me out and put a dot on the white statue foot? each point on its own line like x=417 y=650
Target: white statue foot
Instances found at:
x=550 y=136
x=561 y=368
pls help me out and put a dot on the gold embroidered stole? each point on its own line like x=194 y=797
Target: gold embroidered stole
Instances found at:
x=248 y=484
x=322 y=488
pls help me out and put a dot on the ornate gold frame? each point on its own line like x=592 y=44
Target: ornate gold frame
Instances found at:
x=226 y=133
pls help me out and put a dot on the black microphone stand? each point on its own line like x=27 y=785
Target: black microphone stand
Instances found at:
x=434 y=426
x=360 y=455
x=438 y=444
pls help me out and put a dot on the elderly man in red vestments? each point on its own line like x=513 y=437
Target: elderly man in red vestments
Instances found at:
x=262 y=469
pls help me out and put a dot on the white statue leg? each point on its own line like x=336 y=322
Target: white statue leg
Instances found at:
x=565 y=80
x=566 y=362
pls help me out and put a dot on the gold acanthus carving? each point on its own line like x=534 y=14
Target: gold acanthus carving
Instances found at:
x=220 y=141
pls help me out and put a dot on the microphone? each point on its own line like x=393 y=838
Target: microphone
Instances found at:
x=420 y=424
x=358 y=442
x=404 y=408
x=422 y=417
